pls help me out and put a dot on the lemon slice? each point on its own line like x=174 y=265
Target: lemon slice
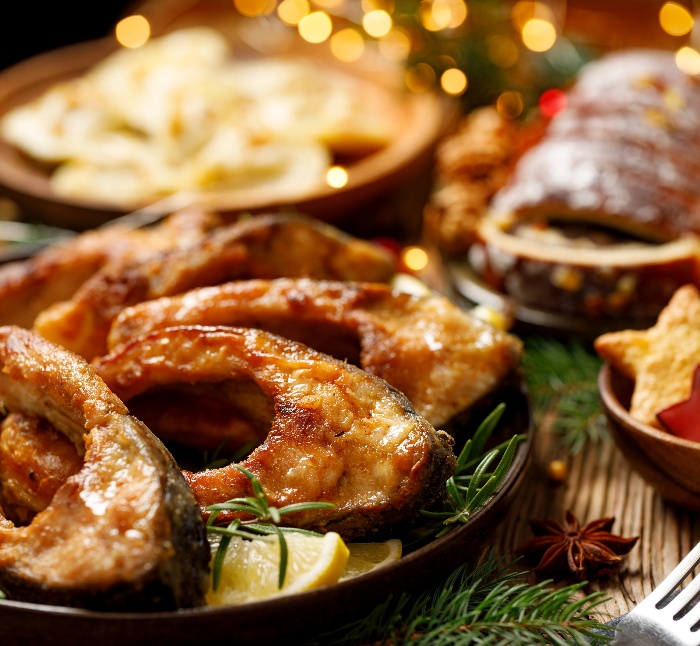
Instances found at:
x=251 y=568
x=370 y=556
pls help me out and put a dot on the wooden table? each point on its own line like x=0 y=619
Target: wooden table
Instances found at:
x=600 y=483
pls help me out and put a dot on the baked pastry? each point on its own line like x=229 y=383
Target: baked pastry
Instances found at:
x=600 y=217
x=660 y=360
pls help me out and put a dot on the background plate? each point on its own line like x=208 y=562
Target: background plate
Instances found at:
x=408 y=157
x=293 y=617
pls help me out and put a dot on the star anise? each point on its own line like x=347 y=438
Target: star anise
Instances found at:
x=571 y=550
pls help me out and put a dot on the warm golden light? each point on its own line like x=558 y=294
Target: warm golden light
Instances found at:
x=420 y=78
x=539 y=35
x=526 y=10
x=688 y=60
x=510 y=105
x=347 y=45
x=395 y=46
x=133 y=31
x=675 y=19
x=435 y=15
x=336 y=177
x=328 y=4
x=415 y=258
x=502 y=52
x=292 y=11
x=255 y=8
x=453 y=81
x=377 y=23
x=316 y=27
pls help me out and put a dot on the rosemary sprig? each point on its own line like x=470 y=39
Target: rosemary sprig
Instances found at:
x=490 y=604
x=562 y=377
x=472 y=484
x=265 y=523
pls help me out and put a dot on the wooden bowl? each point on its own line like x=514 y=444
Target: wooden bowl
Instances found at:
x=405 y=162
x=668 y=463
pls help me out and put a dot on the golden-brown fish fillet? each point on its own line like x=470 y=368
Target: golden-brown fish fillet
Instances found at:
x=35 y=460
x=442 y=358
x=29 y=286
x=122 y=532
x=259 y=247
x=336 y=433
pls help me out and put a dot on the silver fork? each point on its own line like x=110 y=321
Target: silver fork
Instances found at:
x=668 y=616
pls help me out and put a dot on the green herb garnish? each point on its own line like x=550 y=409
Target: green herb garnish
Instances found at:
x=266 y=523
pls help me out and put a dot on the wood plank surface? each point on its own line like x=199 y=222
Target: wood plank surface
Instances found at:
x=601 y=483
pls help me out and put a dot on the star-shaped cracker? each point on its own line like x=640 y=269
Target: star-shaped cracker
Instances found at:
x=661 y=360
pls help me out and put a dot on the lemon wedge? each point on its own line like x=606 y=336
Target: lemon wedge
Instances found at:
x=370 y=556
x=251 y=568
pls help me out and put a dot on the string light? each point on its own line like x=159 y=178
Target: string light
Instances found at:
x=688 y=60
x=675 y=19
x=133 y=31
x=539 y=35
x=377 y=23
x=415 y=258
x=395 y=46
x=255 y=8
x=453 y=81
x=292 y=11
x=347 y=45
x=510 y=105
x=336 y=177
x=315 y=27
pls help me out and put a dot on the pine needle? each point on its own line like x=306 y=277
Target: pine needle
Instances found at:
x=563 y=378
x=487 y=605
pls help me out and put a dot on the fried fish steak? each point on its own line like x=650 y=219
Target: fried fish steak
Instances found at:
x=124 y=532
x=335 y=433
x=442 y=358
x=266 y=246
x=29 y=286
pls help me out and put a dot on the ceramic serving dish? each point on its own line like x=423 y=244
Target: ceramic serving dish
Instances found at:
x=295 y=617
x=668 y=463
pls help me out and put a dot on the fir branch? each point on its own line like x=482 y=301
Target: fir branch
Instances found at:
x=488 y=605
x=563 y=379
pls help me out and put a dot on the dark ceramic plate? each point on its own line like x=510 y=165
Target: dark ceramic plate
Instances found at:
x=466 y=282
x=294 y=617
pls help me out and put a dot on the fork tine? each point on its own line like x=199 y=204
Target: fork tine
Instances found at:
x=672 y=581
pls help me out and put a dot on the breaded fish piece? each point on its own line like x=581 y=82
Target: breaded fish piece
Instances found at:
x=442 y=358
x=124 y=531
x=336 y=433
x=258 y=247
x=29 y=286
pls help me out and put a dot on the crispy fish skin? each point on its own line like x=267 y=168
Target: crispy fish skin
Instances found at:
x=122 y=533
x=35 y=460
x=29 y=286
x=439 y=356
x=265 y=246
x=338 y=434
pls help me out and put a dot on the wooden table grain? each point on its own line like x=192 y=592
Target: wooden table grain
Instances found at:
x=600 y=483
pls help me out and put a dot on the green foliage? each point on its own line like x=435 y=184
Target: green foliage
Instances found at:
x=266 y=522
x=487 y=605
x=472 y=484
x=563 y=378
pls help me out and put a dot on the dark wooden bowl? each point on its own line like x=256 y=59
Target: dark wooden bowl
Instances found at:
x=668 y=463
